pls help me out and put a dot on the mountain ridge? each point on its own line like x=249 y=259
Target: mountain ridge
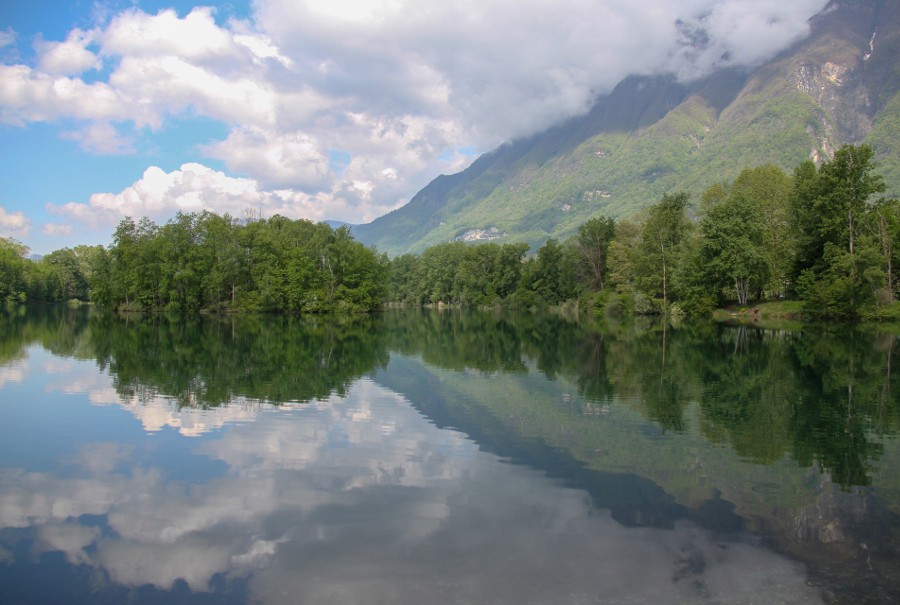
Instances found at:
x=654 y=134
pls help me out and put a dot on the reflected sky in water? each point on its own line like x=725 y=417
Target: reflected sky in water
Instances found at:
x=359 y=498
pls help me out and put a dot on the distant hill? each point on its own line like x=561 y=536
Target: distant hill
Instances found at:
x=651 y=135
x=337 y=224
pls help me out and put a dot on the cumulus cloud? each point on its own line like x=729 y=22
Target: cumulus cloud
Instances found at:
x=68 y=58
x=157 y=193
x=13 y=224
x=101 y=138
x=28 y=95
x=194 y=37
x=195 y=187
x=398 y=86
x=56 y=229
x=7 y=37
x=285 y=160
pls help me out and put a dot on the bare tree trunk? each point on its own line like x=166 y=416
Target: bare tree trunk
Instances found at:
x=742 y=287
x=850 y=215
x=887 y=249
x=665 y=289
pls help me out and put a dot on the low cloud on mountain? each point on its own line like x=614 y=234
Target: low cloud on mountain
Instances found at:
x=345 y=108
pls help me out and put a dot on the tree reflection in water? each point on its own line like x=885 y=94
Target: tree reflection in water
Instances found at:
x=787 y=434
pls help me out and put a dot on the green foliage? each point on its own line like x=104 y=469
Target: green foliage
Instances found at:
x=660 y=249
x=592 y=244
x=202 y=261
x=818 y=235
x=13 y=270
x=883 y=313
x=767 y=190
x=839 y=267
x=659 y=137
x=731 y=249
x=461 y=274
x=883 y=140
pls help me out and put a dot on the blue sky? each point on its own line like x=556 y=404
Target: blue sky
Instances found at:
x=318 y=109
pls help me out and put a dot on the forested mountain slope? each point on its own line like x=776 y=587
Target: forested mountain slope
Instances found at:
x=653 y=135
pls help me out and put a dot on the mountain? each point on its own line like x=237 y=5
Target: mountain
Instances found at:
x=652 y=135
x=338 y=224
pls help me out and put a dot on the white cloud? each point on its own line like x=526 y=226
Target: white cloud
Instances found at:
x=67 y=58
x=56 y=229
x=262 y=48
x=27 y=95
x=13 y=224
x=734 y=33
x=192 y=188
x=195 y=37
x=399 y=85
x=195 y=187
x=294 y=160
x=7 y=37
x=101 y=138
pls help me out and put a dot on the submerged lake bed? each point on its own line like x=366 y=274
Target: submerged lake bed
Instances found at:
x=446 y=457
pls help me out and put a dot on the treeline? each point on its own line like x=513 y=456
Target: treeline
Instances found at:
x=769 y=394
x=819 y=236
x=203 y=261
x=62 y=275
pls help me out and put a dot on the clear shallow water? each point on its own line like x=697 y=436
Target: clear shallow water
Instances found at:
x=438 y=458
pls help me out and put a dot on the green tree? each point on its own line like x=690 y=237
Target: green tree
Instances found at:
x=732 y=248
x=767 y=189
x=403 y=275
x=71 y=281
x=224 y=256
x=846 y=184
x=837 y=272
x=592 y=244
x=439 y=266
x=550 y=275
x=13 y=269
x=660 y=247
x=884 y=225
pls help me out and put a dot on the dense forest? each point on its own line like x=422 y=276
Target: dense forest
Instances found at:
x=202 y=261
x=821 y=236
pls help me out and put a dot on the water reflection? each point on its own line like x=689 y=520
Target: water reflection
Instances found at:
x=368 y=460
x=319 y=506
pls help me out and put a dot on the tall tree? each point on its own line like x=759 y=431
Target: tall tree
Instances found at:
x=13 y=269
x=846 y=184
x=836 y=275
x=884 y=222
x=732 y=248
x=662 y=235
x=767 y=190
x=592 y=244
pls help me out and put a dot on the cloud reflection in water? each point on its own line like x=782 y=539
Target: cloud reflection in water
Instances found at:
x=356 y=499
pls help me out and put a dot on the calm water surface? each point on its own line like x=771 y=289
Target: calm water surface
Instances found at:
x=425 y=457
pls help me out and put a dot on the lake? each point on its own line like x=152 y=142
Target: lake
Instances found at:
x=444 y=457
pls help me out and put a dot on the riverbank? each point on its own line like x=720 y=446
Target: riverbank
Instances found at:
x=783 y=313
x=785 y=310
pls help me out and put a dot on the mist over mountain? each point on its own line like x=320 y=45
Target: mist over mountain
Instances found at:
x=662 y=133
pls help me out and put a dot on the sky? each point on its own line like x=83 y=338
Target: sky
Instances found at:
x=315 y=109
